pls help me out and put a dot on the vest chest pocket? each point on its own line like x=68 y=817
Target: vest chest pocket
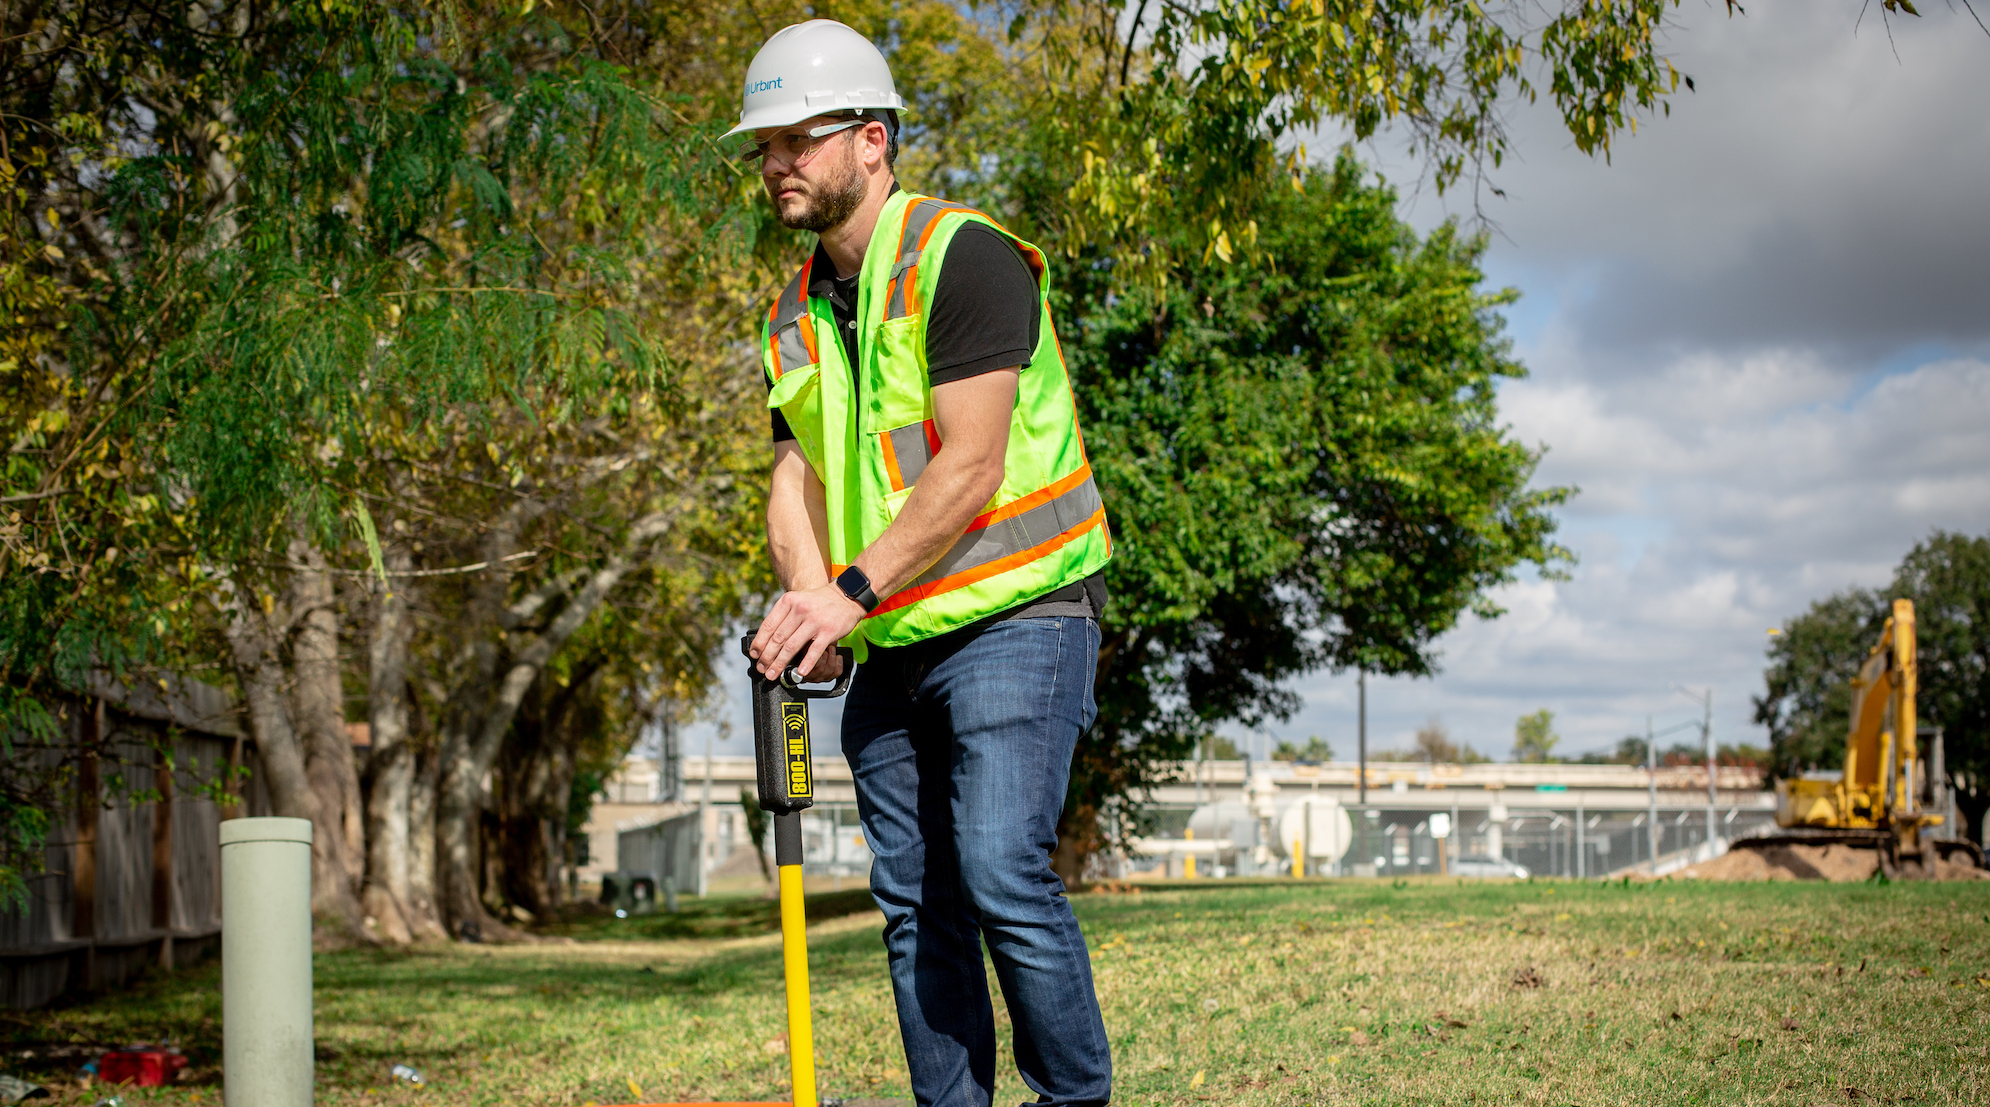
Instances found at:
x=896 y=381
x=799 y=401
x=793 y=384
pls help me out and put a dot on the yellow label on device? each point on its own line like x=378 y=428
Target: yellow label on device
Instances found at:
x=794 y=733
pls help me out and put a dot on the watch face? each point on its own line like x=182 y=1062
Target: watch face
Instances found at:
x=857 y=586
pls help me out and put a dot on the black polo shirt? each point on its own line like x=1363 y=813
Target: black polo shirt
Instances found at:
x=985 y=315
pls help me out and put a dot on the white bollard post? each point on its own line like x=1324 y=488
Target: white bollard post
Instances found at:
x=266 y=1046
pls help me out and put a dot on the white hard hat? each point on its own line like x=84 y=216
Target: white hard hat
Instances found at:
x=810 y=69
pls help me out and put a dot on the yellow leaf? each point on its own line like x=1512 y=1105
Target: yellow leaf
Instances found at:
x=1196 y=1081
x=53 y=253
x=635 y=1089
x=1223 y=246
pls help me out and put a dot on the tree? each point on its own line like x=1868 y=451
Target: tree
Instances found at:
x=1302 y=469
x=1630 y=750
x=1434 y=745
x=1807 y=695
x=370 y=240
x=1534 y=738
x=1808 y=698
x=1315 y=749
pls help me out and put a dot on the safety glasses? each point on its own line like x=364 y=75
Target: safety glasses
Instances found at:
x=792 y=148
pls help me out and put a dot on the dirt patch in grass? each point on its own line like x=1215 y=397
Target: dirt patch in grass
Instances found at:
x=1839 y=864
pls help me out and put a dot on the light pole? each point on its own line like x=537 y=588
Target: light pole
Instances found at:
x=1651 y=776
x=1651 y=781
x=1707 y=733
x=1361 y=723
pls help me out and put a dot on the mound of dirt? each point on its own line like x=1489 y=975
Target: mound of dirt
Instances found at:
x=1953 y=870
x=1838 y=863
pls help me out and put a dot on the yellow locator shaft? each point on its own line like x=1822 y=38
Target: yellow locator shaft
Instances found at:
x=794 y=963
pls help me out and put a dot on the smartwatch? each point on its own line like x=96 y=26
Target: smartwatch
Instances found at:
x=857 y=586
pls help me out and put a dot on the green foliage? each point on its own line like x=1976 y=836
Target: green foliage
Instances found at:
x=1315 y=749
x=1947 y=575
x=588 y=785
x=1807 y=702
x=1534 y=737
x=269 y=261
x=1303 y=468
x=1174 y=119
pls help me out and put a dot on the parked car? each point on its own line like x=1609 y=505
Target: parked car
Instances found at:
x=1488 y=866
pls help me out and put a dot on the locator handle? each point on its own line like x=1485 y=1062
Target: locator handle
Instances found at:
x=783 y=769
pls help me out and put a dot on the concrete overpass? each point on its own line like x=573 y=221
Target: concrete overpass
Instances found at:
x=1554 y=819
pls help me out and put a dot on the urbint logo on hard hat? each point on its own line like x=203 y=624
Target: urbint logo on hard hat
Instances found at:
x=849 y=74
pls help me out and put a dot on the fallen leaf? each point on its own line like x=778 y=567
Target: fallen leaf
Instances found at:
x=1196 y=1080
x=776 y=1044
x=1357 y=1038
x=1789 y=1024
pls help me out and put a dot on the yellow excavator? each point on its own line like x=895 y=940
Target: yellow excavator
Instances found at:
x=1882 y=800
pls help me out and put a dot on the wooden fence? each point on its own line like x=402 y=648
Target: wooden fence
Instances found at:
x=132 y=870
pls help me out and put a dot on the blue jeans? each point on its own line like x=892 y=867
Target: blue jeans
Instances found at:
x=961 y=750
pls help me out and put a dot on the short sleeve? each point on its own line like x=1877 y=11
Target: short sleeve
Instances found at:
x=986 y=310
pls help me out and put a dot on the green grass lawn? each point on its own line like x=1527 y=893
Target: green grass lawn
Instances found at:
x=1321 y=992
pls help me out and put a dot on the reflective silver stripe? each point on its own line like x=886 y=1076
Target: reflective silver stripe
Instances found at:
x=911 y=449
x=794 y=351
x=923 y=214
x=786 y=323
x=1017 y=533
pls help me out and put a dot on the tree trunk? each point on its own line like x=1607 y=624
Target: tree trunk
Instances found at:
x=1077 y=840
x=337 y=839
x=424 y=912
x=256 y=647
x=391 y=765
x=534 y=777
x=478 y=723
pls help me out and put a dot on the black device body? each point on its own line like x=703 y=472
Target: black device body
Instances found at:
x=784 y=773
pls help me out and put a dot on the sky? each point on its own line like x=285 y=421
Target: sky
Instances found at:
x=1758 y=342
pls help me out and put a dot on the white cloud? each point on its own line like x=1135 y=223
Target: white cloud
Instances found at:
x=1758 y=508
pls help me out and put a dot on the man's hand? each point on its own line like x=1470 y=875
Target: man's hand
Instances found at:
x=803 y=629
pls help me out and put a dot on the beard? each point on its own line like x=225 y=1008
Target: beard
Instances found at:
x=829 y=203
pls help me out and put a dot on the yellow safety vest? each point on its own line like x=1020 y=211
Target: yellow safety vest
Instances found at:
x=1044 y=528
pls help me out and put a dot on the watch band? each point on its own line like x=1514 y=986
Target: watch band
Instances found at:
x=857 y=586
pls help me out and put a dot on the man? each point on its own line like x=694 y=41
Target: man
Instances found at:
x=932 y=508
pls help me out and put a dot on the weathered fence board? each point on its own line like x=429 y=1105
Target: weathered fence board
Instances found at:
x=132 y=871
